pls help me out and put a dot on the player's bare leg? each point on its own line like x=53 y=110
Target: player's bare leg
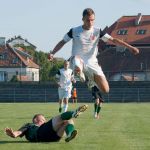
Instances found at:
x=64 y=123
x=102 y=83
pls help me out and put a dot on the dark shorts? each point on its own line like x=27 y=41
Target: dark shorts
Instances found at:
x=95 y=93
x=46 y=133
x=74 y=97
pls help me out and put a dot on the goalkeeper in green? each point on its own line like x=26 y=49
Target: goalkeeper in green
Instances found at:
x=51 y=131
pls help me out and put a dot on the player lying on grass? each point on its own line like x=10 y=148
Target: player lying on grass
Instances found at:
x=52 y=131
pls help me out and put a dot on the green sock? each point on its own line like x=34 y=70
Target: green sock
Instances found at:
x=69 y=128
x=95 y=107
x=67 y=115
x=98 y=109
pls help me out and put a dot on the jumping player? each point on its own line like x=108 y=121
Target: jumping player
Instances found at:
x=85 y=39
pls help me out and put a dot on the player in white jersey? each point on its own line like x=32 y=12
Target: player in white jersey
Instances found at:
x=85 y=39
x=65 y=78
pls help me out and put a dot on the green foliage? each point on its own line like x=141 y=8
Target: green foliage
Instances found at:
x=48 y=69
x=56 y=65
x=14 y=79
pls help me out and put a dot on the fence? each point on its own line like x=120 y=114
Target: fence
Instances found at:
x=128 y=95
x=47 y=92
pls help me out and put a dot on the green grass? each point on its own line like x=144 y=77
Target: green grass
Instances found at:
x=121 y=127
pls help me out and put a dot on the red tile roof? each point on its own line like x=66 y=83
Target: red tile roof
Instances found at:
x=128 y=23
x=11 y=53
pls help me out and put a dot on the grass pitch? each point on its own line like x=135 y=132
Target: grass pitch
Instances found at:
x=122 y=126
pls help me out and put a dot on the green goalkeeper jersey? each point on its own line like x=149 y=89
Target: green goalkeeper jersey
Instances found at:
x=29 y=131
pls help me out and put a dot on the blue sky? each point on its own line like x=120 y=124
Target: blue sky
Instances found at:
x=44 y=22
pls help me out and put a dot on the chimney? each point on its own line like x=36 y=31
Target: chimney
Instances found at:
x=2 y=41
x=138 y=19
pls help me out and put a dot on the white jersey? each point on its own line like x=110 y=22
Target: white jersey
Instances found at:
x=65 y=78
x=85 y=42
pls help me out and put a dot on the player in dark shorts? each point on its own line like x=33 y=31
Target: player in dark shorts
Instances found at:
x=52 y=131
x=97 y=97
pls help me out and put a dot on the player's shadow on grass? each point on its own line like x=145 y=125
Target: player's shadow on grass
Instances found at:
x=7 y=142
x=23 y=142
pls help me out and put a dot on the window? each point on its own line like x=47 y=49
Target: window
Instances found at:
x=15 y=60
x=3 y=56
x=141 y=31
x=122 y=32
x=3 y=76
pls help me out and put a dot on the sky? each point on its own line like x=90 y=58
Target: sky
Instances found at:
x=44 y=22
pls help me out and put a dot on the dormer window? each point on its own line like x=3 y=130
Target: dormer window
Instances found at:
x=15 y=60
x=122 y=32
x=141 y=31
x=3 y=56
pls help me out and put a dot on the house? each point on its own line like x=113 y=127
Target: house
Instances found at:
x=16 y=63
x=117 y=62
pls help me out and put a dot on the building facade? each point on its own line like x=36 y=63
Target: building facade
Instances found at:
x=15 y=63
x=117 y=62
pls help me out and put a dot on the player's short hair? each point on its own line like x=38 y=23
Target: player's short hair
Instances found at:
x=66 y=61
x=88 y=12
x=35 y=116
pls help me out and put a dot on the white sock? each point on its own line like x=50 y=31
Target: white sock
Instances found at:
x=65 y=107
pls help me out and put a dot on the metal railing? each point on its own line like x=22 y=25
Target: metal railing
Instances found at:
x=116 y=94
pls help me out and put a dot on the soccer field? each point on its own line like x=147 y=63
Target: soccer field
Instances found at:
x=122 y=126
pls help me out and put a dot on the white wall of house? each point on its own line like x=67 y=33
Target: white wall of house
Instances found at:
x=6 y=74
x=33 y=73
x=10 y=72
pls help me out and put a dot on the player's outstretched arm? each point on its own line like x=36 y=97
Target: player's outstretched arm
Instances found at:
x=56 y=49
x=11 y=133
x=119 y=42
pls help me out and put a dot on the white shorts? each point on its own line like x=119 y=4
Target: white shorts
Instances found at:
x=76 y=61
x=63 y=93
x=89 y=68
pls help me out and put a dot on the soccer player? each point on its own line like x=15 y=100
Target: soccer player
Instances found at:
x=64 y=79
x=97 y=97
x=52 y=131
x=85 y=39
